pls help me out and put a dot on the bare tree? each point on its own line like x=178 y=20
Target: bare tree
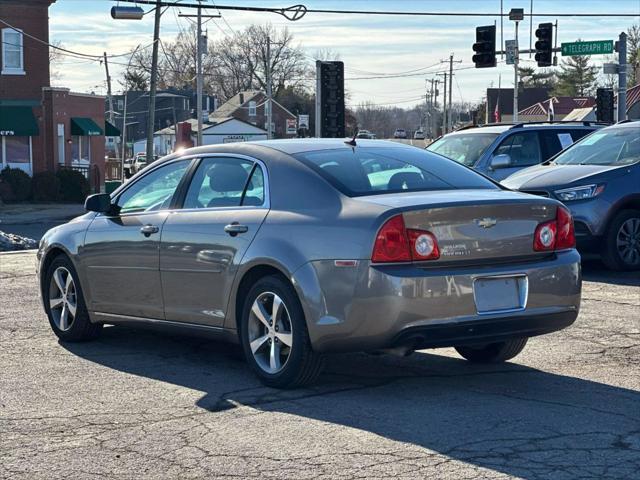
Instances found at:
x=55 y=56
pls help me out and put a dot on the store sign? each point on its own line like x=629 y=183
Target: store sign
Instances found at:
x=7 y=133
x=303 y=121
x=291 y=126
x=234 y=139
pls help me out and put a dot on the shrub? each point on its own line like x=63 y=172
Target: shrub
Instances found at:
x=45 y=187
x=19 y=183
x=74 y=187
x=6 y=192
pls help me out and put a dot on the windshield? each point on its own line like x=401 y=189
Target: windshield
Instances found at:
x=370 y=171
x=611 y=146
x=465 y=148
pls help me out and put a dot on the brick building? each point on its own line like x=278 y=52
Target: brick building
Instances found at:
x=42 y=128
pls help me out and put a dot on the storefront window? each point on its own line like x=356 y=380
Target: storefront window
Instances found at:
x=16 y=150
x=80 y=149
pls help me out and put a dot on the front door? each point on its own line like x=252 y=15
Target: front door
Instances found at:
x=121 y=258
x=203 y=243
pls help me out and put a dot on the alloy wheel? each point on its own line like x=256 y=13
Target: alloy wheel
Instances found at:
x=628 y=241
x=270 y=332
x=63 y=299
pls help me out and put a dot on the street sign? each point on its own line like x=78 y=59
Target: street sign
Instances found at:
x=610 y=68
x=596 y=47
x=511 y=48
x=303 y=121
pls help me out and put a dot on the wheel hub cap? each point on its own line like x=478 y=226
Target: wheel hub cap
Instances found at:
x=63 y=302
x=628 y=242
x=270 y=332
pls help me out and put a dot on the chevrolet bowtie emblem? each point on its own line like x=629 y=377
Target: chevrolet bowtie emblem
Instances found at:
x=486 y=222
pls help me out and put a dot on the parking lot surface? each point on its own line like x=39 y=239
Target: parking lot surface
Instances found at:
x=141 y=404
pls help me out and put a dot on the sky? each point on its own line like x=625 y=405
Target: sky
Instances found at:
x=369 y=46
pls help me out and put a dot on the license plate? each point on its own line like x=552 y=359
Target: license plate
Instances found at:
x=499 y=294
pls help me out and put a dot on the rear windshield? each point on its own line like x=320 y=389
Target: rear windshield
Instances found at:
x=464 y=148
x=369 y=171
x=610 y=146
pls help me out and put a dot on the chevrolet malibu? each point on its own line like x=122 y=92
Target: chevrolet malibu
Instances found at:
x=299 y=248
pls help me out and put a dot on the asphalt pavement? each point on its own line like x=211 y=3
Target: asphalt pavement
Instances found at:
x=138 y=404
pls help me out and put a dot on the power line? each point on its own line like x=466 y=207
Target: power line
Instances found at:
x=296 y=12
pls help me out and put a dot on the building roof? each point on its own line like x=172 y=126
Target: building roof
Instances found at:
x=561 y=105
x=633 y=96
x=228 y=108
x=526 y=98
x=205 y=126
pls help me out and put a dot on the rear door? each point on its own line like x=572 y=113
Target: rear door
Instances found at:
x=203 y=243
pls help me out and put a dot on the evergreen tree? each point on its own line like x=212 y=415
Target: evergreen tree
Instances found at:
x=577 y=77
x=532 y=78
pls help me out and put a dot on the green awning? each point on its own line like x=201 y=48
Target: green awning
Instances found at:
x=18 y=121
x=85 y=127
x=110 y=130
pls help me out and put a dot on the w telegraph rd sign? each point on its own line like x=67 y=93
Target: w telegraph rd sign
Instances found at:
x=595 y=47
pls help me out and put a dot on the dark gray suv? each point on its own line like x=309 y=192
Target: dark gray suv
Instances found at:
x=498 y=151
x=598 y=178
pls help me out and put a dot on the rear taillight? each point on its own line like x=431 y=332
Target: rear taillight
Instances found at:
x=395 y=243
x=556 y=234
x=566 y=234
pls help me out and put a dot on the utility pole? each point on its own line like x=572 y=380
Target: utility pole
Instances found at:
x=444 y=106
x=515 y=78
x=622 y=77
x=269 y=90
x=201 y=46
x=109 y=97
x=199 y=75
x=449 y=121
x=151 y=120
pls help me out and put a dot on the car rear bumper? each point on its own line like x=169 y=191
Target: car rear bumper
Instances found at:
x=369 y=307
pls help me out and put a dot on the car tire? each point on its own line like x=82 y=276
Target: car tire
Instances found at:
x=64 y=303
x=264 y=340
x=492 y=352
x=625 y=227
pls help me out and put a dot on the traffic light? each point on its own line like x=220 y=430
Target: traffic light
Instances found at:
x=544 y=45
x=330 y=118
x=604 y=105
x=485 y=47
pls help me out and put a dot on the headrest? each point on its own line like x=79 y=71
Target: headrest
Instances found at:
x=227 y=177
x=406 y=180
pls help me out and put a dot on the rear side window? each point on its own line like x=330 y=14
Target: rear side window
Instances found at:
x=225 y=182
x=370 y=171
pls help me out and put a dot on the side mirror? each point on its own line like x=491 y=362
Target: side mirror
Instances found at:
x=501 y=161
x=99 y=202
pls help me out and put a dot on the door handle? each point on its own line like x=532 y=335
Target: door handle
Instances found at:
x=235 y=228
x=148 y=229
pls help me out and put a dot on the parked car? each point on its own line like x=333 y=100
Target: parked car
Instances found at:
x=140 y=161
x=400 y=133
x=366 y=134
x=501 y=150
x=298 y=248
x=418 y=135
x=127 y=167
x=598 y=178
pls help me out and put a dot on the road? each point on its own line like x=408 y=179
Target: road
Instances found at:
x=410 y=141
x=138 y=404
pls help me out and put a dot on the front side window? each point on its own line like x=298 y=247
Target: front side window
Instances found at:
x=371 y=171
x=12 y=51
x=465 y=148
x=523 y=148
x=153 y=191
x=610 y=146
x=226 y=182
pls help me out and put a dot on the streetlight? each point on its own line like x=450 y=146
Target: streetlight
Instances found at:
x=127 y=13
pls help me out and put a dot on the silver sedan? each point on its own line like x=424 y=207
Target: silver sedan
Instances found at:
x=299 y=248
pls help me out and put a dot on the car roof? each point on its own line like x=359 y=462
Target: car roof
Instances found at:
x=300 y=145
x=503 y=127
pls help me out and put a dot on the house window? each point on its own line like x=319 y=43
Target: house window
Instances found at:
x=120 y=105
x=252 y=108
x=80 y=149
x=15 y=152
x=12 y=52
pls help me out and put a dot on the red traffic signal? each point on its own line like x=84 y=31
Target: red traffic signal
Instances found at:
x=544 y=45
